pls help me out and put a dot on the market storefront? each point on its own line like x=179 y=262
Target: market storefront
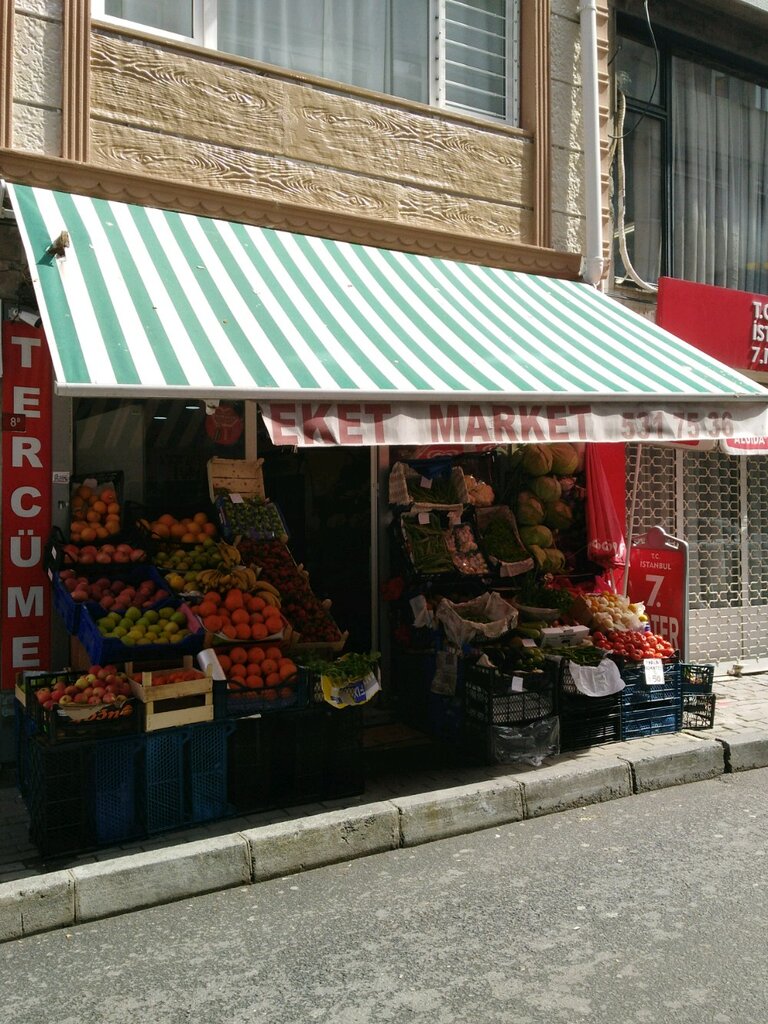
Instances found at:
x=180 y=339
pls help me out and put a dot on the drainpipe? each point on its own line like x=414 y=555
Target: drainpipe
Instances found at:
x=593 y=263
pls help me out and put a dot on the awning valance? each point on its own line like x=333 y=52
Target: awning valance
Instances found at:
x=351 y=344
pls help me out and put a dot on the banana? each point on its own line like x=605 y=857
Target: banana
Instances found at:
x=270 y=599
x=262 y=585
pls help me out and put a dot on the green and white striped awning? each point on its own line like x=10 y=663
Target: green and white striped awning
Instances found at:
x=151 y=302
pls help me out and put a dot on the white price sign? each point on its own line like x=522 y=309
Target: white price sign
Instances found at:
x=654 y=672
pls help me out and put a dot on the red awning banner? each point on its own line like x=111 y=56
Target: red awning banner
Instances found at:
x=605 y=531
x=316 y=423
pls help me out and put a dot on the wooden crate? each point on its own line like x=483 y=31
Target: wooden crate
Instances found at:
x=236 y=476
x=171 y=704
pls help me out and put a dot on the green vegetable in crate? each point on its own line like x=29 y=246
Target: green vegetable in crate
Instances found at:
x=580 y=654
x=536 y=595
x=500 y=541
x=530 y=511
x=347 y=669
x=441 y=491
x=427 y=546
x=251 y=514
x=546 y=488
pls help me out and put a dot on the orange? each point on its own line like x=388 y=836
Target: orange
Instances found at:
x=267 y=666
x=161 y=530
x=239 y=615
x=228 y=630
x=274 y=652
x=286 y=669
x=243 y=631
x=237 y=671
x=200 y=518
x=209 y=529
x=84 y=492
x=108 y=496
x=273 y=679
x=98 y=506
x=188 y=538
x=256 y=604
x=234 y=599
x=177 y=531
x=113 y=509
x=167 y=519
x=259 y=631
x=226 y=662
x=213 y=623
x=274 y=625
x=255 y=617
x=239 y=655
x=93 y=517
x=88 y=534
x=206 y=608
x=256 y=655
x=212 y=595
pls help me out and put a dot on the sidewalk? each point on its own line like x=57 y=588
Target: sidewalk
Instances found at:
x=408 y=800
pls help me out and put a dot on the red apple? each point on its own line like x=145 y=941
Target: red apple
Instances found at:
x=108 y=698
x=43 y=694
x=93 y=699
x=70 y=691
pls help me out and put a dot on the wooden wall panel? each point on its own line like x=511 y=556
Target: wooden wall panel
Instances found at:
x=264 y=177
x=176 y=113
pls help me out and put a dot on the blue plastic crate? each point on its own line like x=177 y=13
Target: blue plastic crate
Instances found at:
x=206 y=764
x=104 y=650
x=114 y=784
x=163 y=780
x=637 y=692
x=651 y=719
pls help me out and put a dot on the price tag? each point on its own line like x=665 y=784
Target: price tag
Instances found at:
x=654 y=672
x=60 y=476
x=517 y=684
x=528 y=642
x=454 y=518
x=426 y=483
x=236 y=499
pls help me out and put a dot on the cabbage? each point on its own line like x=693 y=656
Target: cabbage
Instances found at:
x=537 y=459
x=554 y=560
x=558 y=515
x=547 y=488
x=565 y=459
x=540 y=535
x=530 y=511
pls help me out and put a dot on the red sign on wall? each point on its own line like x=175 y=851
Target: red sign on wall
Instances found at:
x=25 y=640
x=729 y=325
x=658 y=576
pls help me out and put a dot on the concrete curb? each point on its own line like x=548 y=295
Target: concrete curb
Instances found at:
x=84 y=893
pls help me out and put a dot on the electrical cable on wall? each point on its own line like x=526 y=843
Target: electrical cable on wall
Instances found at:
x=620 y=200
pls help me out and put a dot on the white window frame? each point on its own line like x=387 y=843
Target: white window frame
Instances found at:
x=204 y=24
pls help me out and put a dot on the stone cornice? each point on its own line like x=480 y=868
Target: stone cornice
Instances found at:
x=88 y=179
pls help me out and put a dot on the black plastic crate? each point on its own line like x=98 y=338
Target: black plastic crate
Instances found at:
x=493 y=697
x=114 y=786
x=232 y=700
x=316 y=754
x=651 y=719
x=699 y=710
x=696 y=678
x=250 y=767
x=636 y=691
x=588 y=721
x=60 y=816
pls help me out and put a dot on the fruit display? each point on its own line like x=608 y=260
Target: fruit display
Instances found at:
x=96 y=686
x=111 y=593
x=231 y=573
x=181 y=566
x=95 y=513
x=253 y=517
x=167 y=678
x=259 y=668
x=137 y=627
x=102 y=554
x=608 y=611
x=239 y=615
x=185 y=530
x=311 y=618
x=632 y=644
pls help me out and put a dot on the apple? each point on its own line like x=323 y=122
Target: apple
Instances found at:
x=66 y=699
x=93 y=699
x=43 y=694
x=48 y=705
x=87 y=691
x=80 y=698
x=99 y=691
x=108 y=698
x=71 y=690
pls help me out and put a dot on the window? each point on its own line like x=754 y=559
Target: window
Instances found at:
x=469 y=63
x=695 y=161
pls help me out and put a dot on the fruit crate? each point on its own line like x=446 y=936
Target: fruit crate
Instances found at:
x=59 y=553
x=60 y=816
x=233 y=700
x=236 y=476
x=130 y=575
x=162 y=804
x=177 y=703
x=699 y=710
x=697 y=678
x=114 y=785
x=234 y=516
x=636 y=691
x=651 y=719
x=497 y=698
x=110 y=650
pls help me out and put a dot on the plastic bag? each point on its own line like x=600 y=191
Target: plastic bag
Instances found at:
x=446 y=673
x=526 y=744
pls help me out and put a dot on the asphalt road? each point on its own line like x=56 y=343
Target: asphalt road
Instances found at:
x=647 y=909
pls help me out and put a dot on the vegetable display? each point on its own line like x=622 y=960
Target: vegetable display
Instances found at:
x=465 y=554
x=499 y=540
x=538 y=595
x=252 y=516
x=347 y=669
x=427 y=545
x=609 y=611
x=440 y=492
